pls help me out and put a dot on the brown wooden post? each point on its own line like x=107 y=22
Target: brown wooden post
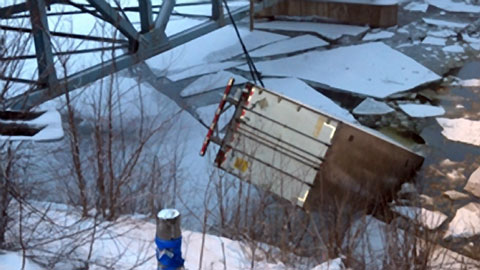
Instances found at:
x=168 y=229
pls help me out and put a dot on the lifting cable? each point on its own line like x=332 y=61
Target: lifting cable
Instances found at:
x=251 y=65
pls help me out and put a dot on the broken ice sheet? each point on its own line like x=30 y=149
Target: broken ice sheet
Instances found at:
x=370 y=69
x=422 y=110
x=426 y=218
x=295 y=44
x=211 y=82
x=206 y=9
x=200 y=50
x=461 y=130
x=370 y=106
x=300 y=91
x=252 y=41
x=454 y=6
x=443 y=23
x=415 y=6
x=328 y=30
x=469 y=83
x=434 y=41
x=378 y=35
x=201 y=70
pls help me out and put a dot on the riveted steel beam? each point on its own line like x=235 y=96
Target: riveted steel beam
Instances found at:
x=146 y=18
x=164 y=15
x=43 y=49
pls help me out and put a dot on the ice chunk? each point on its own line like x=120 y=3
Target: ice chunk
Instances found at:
x=302 y=92
x=422 y=110
x=461 y=130
x=470 y=39
x=328 y=30
x=466 y=222
x=453 y=49
x=469 y=83
x=434 y=41
x=427 y=218
x=473 y=184
x=442 y=33
x=378 y=35
x=443 y=23
x=370 y=106
x=386 y=72
x=453 y=6
x=210 y=82
x=289 y=45
x=415 y=6
x=201 y=70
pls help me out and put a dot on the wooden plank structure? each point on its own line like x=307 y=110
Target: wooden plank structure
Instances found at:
x=376 y=13
x=304 y=155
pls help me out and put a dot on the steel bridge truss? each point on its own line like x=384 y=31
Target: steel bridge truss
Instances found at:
x=138 y=46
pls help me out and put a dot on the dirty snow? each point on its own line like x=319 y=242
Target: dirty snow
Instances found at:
x=302 y=92
x=295 y=44
x=378 y=35
x=444 y=23
x=434 y=41
x=370 y=106
x=201 y=70
x=415 y=6
x=328 y=30
x=466 y=222
x=422 y=110
x=454 y=6
x=345 y=69
x=473 y=184
x=461 y=130
x=427 y=218
x=211 y=82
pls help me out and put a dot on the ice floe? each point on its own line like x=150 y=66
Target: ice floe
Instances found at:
x=461 y=130
x=444 y=33
x=473 y=184
x=427 y=218
x=302 y=92
x=210 y=82
x=328 y=30
x=295 y=44
x=468 y=83
x=386 y=72
x=415 y=6
x=466 y=222
x=370 y=106
x=434 y=41
x=443 y=23
x=456 y=48
x=454 y=6
x=378 y=35
x=422 y=110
